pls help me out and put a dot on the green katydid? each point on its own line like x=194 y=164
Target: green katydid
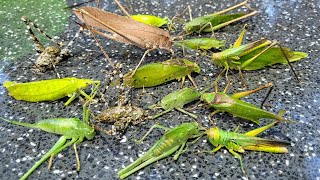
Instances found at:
x=215 y=21
x=154 y=74
x=174 y=140
x=69 y=128
x=255 y=55
x=176 y=100
x=51 y=90
x=232 y=104
x=236 y=142
x=201 y=43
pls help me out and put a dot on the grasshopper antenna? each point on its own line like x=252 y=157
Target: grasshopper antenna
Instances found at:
x=78 y=4
x=123 y=9
x=291 y=67
x=265 y=98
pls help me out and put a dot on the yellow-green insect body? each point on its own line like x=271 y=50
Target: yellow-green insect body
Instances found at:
x=255 y=55
x=201 y=43
x=154 y=74
x=210 y=22
x=176 y=138
x=226 y=103
x=48 y=90
x=177 y=99
x=69 y=128
x=150 y=19
x=236 y=142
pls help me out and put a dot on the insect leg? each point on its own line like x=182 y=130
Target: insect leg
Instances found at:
x=241 y=36
x=237 y=129
x=182 y=82
x=144 y=55
x=25 y=20
x=76 y=152
x=226 y=69
x=249 y=61
x=192 y=80
x=56 y=151
x=73 y=96
x=176 y=156
x=227 y=87
x=58 y=144
x=85 y=114
x=150 y=161
x=215 y=112
x=240 y=159
x=160 y=114
x=232 y=21
x=190 y=14
x=188 y=113
x=95 y=89
x=88 y=97
x=55 y=70
x=246 y=93
x=230 y=8
x=207 y=26
x=95 y=38
x=37 y=43
x=216 y=149
x=257 y=131
x=149 y=131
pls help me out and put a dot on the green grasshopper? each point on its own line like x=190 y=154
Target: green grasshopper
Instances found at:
x=175 y=139
x=176 y=100
x=154 y=74
x=232 y=104
x=201 y=43
x=51 y=90
x=236 y=142
x=69 y=128
x=215 y=21
x=255 y=55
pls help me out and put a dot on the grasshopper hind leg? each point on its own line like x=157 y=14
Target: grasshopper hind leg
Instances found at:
x=56 y=146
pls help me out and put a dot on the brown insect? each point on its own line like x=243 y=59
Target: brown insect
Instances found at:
x=121 y=117
x=49 y=56
x=125 y=30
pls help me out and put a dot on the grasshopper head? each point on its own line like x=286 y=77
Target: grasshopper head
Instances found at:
x=193 y=128
x=89 y=132
x=217 y=100
x=194 y=66
x=208 y=97
x=213 y=135
x=218 y=59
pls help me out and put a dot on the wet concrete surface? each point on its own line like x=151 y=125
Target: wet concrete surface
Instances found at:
x=293 y=23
